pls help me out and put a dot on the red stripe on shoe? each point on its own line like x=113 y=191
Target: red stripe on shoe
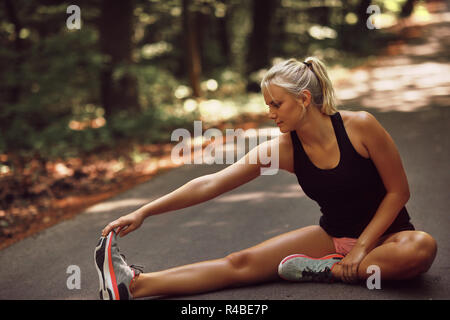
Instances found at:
x=131 y=281
x=111 y=269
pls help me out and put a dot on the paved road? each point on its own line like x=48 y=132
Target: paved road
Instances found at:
x=35 y=268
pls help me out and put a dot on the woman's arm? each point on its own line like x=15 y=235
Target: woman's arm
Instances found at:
x=204 y=188
x=385 y=156
x=198 y=190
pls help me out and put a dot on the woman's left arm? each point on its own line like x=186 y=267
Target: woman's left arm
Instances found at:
x=385 y=156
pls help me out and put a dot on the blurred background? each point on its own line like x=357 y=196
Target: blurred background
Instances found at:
x=88 y=112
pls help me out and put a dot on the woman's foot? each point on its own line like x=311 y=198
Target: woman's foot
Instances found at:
x=114 y=273
x=301 y=268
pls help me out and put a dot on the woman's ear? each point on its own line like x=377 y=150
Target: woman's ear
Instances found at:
x=305 y=98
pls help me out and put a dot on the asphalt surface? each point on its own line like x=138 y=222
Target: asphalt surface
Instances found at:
x=36 y=268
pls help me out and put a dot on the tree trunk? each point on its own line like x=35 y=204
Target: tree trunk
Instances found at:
x=258 y=54
x=407 y=8
x=258 y=51
x=192 y=48
x=223 y=34
x=361 y=12
x=116 y=29
x=16 y=88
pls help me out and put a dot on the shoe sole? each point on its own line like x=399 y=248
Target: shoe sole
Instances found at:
x=105 y=270
x=293 y=256
x=99 y=258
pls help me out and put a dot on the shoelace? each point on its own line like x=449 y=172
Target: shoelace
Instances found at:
x=139 y=269
x=135 y=267
x=320 y=276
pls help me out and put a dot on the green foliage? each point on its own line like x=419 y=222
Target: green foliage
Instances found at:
x=52 y=78
x=152 y=126
x=56 y=74
x=156 y=86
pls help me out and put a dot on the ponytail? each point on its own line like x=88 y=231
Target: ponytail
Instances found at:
x=311 y=75
x=328 y=103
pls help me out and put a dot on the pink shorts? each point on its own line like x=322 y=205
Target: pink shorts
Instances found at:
x=344 y=245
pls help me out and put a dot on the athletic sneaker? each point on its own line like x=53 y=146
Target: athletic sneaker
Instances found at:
x=301 y=268
x=114 y=273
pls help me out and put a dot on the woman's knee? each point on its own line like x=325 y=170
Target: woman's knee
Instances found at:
x=240 y=267
x=422 y=250
x=239 y=260
x=426 y=248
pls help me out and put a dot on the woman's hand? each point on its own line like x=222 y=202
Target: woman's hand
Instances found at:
x=125 y=224
x=349 y=265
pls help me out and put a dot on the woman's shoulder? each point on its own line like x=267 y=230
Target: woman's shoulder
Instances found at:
x=361 y=126
x=356 y=118
x=360 y=122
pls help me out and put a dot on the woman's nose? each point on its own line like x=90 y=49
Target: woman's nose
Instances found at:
x=272 y=114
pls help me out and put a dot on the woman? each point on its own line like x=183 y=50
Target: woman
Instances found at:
x=344 y=160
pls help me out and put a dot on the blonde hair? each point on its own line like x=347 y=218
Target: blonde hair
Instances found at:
x=295 y=76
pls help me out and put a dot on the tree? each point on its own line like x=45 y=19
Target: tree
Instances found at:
x=355 y=38
x=224 y=34
x=15 y=89
x=118 y=85
x=407 y=8
x=259 y=43
x=192 y=47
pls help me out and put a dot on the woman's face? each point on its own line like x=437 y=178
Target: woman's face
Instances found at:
x=284 y=109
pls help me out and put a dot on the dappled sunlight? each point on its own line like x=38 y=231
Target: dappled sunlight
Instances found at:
x=261 y=196
x=322 y=32
x=220 y=223
x=194 y=223
x=209 y=85
x=278 y=230
x=408 y=87
x=153 y=50
x=213 y=110
x=85 y=124
x=413 y=75
x=111 y=205
x=293 y=187
x=402 y=82
x=422 y=49
x=199 y=223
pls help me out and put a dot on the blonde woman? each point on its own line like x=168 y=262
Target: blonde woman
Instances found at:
x=345 y=161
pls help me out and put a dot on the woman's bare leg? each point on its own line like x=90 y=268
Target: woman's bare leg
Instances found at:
x=253 y=265
x=401 y=255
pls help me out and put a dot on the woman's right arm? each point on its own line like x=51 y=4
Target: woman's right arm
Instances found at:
x=198 y=190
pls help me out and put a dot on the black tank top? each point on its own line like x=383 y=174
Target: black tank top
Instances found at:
x=350 y=193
